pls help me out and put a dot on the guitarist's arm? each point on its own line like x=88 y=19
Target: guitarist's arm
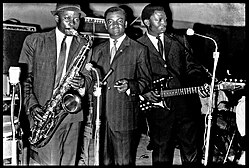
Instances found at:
x=195 y=71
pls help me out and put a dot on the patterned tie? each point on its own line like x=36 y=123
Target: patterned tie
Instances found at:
x=113 y=50
x=160 y=45
x=61 y=61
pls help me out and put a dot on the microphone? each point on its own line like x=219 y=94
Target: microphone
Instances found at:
x=190 y=32
x=89 y=67
x=106 y=76
x=14 y=75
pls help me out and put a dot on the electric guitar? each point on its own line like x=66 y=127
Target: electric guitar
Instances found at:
x=160 y=87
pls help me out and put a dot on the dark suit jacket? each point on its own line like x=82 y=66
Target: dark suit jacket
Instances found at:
x=39 y=54
x=179 y=64
x=130 y=62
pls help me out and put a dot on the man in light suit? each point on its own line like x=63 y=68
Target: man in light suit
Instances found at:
x=178 y=120
x=40 y=54
x=120 y=105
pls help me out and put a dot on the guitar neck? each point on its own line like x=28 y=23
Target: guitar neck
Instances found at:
x=180 y=91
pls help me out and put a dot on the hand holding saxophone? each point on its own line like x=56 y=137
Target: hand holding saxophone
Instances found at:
x=78 y=81
x=37 y=113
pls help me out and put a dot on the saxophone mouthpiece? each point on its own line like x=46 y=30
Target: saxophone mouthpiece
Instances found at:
x=71 y=32
x=74 y=32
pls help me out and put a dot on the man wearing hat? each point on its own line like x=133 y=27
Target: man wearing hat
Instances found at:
x=41 y=55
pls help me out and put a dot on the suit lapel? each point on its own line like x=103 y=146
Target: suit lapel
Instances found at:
x=51 y=41
x=50 y=50
x=167 y=46
x=125 y=43
x=150 y=45
x=105 y=55
x=152 y=48
x=106 y=51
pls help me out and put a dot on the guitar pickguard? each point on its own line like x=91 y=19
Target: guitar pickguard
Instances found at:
x=158 y=86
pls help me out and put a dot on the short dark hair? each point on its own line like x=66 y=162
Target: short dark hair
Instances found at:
x=115 y=9
x=149 y=10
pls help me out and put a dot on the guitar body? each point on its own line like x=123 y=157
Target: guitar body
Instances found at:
x=158 y=86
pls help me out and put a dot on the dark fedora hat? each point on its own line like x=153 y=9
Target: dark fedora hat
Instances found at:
x=68 y=7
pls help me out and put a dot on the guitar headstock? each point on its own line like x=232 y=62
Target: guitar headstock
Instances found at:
x=232 y=84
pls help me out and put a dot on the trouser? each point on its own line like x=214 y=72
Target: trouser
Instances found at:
x=62 y=148
x=166 y=131
x=120 y=147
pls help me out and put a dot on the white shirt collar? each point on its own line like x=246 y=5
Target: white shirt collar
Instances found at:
x=120 y=39
x=154 y=40
x=60 y=36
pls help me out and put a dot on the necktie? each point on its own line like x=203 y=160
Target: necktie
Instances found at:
x=113 y=50
x=160 y=45
x=61 y=61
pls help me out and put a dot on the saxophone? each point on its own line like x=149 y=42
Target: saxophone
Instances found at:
x=42 y=131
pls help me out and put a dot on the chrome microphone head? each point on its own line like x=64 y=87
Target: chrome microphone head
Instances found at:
x=190 y=32
x=14 y=75
x=89 y=66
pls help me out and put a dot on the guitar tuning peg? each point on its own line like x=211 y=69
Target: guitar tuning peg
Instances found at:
x=231 y=80
x=241 y=80
x=225 y=79
x=235 y=80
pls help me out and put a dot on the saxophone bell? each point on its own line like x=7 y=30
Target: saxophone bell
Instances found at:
x=71 y=102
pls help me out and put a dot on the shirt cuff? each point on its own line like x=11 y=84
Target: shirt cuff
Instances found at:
x=128 y=92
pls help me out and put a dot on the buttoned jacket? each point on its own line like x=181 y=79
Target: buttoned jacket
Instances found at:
x=131 y=63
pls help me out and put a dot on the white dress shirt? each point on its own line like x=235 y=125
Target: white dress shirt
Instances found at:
x=59 y=38
x=119 y=41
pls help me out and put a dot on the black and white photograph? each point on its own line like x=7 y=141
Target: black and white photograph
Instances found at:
x=124 y=84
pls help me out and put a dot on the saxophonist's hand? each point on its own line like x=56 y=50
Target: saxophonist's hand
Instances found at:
x=78 y=81
x=36 y=112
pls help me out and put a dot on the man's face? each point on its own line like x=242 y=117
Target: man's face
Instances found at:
x=67 y=20
x=157 y=23
x=115 y=24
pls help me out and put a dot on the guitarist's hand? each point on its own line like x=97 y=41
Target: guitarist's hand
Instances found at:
x=204 y=91
x=152 y=97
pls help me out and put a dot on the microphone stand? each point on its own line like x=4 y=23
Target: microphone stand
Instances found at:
x=14 y=141
x=210 y=107
x=14 y=73
x=97 y=129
